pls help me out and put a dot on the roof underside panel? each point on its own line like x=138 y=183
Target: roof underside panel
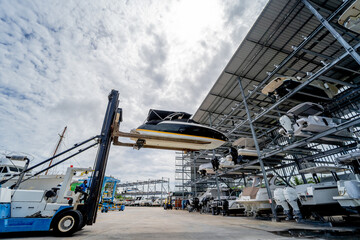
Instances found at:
x=282 y=26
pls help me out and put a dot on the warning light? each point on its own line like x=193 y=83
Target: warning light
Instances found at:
x=71 y=166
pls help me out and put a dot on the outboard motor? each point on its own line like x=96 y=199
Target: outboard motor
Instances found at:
x=234 y=154
x=280 y=200
x=225 y=205
x=286 y=123
x=196 y=203
x=203 y=172
x=292 y=198
x=215 y=163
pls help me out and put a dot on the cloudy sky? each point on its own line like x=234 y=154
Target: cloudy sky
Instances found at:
x=60 y=59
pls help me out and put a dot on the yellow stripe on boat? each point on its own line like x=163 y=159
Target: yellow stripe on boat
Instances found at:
x=146 y=130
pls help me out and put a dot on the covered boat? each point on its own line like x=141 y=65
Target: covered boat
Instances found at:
x=351 y=17
x=316 y=91
x=175 y=130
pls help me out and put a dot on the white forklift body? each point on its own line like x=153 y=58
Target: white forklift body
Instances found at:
x=34 y=210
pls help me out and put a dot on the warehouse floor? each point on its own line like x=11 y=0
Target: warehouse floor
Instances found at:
x=156 y=223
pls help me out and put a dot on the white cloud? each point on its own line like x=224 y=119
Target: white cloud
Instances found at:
x=60 y=59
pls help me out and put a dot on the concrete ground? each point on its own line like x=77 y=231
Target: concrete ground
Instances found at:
x=156 y=223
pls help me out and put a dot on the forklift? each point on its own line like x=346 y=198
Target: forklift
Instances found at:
x=59 y=209
x=168 y=202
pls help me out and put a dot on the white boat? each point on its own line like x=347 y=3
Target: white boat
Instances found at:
x=349 y=190
x=209 y=201
x=175 y=130
x=227 y=163
x=137 y=201
x=11 y=168
x=146 y=202
x=255 y=199
x=304 y=120
x=157 y=202
x=206 y=169
x=315 y=198
x=351 y=17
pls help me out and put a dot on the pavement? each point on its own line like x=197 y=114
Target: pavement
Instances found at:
x=157 y=223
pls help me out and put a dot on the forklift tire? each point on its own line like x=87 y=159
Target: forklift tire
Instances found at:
x=67 y=223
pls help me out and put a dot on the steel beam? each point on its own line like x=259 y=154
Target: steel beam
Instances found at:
x=273 y=210
x=336 y=35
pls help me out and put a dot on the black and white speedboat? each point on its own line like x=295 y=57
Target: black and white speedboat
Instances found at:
x=175 y=130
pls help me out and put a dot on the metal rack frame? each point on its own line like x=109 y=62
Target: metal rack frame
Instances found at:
x=147 y=188
x=236 y=106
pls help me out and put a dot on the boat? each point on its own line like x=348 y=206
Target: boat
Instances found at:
x=316 y=199
x=350 y=19
x=175 y=130
x=146 y=202
x=157 y=202
x=12 y=166
x=304 y=120
x=255 y=199
x=227 y=163
x=349 y=190
x=246 y=150
x=209 y=202
x=207 y=169
x=137 y=201
x=316 y=91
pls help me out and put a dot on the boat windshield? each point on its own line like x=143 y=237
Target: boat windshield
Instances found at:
x=15 y=169
x=162 y=115
x=176 y=115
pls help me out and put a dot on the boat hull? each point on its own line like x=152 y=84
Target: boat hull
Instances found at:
x=316 y=91
x=40 y=182
x=173 y=140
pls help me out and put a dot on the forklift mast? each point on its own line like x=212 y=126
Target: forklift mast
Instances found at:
x=105 y=139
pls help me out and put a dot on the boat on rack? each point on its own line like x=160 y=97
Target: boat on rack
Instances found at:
x=227 y=163
x=11 y=168
x=351 y=17
x=175 y=131
x=315 y=198
x=255 y=199
x=206 y=169
x=349 y=190
x=304 y=120
x=316 y=91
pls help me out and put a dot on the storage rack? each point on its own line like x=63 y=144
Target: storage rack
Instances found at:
x=290 y=38
x=157 y=187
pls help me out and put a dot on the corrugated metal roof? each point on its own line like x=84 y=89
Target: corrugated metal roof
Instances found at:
x=281 y=27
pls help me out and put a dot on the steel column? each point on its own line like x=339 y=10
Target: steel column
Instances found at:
x=216 y=177
x=273 y=210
